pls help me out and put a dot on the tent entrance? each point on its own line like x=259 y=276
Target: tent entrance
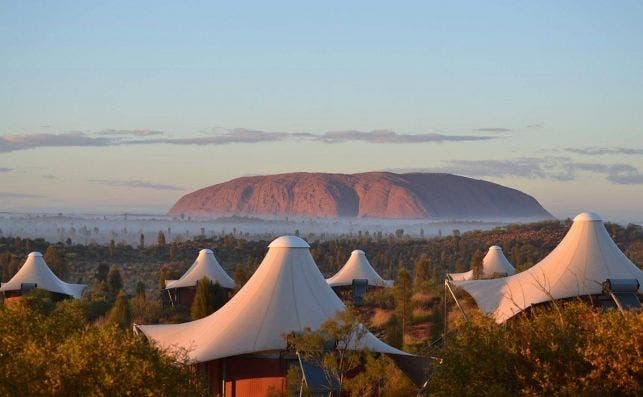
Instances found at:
x=620 y=293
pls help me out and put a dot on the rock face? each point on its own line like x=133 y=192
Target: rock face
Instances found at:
x=371 y=194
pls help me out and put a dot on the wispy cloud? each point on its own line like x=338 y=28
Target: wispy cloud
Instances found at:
x=389 y=136
x=14 y=142
x=494 y=129
x=237 y=135
x=49 y=176
x=112 y=137
x=136 y=184
x=13 y=195
x=136 y=133
x=4 y=169
x=554 y=168
x=597 y=151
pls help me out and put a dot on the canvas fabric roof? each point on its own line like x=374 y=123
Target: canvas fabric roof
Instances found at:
x=493 y=262
x=35 y=270
x=287 y=293
x=358 y=268
x=205 y=265
x=578 y=266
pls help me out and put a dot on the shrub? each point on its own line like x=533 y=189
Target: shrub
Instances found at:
x=577 y=351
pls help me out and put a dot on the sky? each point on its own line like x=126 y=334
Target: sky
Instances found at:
x=109 y=107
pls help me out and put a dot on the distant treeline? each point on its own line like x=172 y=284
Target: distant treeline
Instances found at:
x=523 y=245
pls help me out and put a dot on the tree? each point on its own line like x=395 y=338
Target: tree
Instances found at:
x=393 y=332
x=402 y=292
x=380 y=377
x=56 y=262
x=209 y=298
x=140 y=290
x=101 y=272
x=141 y=243
x=112 y=247
x=240 y=275
x=476 y=264
x=171 y=253
x=329 y=347
x=165 y=274
x=160 y=239
x=421 y=272
x=591 y=353
x=114 y=280
x=120 y=313
x=61 y=354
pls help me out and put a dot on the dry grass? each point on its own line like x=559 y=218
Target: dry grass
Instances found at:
x=380 y=317
x=422 y=313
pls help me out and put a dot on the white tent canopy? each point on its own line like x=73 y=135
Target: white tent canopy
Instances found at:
x=36 y=271
x=358 y=268
x=578 y=266
x=205 y=265
x=286 y=294
x=494 y=262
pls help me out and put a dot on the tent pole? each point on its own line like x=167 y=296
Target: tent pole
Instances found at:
x=446 y=283
x=618 y=304
x=446 y=311
x=223 y=375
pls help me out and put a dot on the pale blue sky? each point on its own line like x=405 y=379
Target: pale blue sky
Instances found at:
x=546 y=77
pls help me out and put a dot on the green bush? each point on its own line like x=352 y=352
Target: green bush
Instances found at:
x=60 y=354
x=575 y=351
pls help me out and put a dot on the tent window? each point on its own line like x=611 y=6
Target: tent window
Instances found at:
x=359 y=289
x=621 y=293
x=26 y=287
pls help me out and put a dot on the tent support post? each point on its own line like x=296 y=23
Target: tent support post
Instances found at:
x=448 y=286
x=169 y=294
x=618 y=303
x=446 y=312
x=223 y=374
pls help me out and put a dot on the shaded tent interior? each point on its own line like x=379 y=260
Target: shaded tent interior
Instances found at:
x=241 y=346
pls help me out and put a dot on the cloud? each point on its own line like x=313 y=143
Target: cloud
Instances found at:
x=237 y=135
x=554 y=168
x=494 y=129
x=49 y=176
x=533 y=126
x=136 y=184
x=4 y=169
x=14 y=142
x=112 y=137
x=597 y=151
x=10 y=195
x=621 y=174
x=522 y=167
x=389 y=136
x=136 y=133
x=244 y=135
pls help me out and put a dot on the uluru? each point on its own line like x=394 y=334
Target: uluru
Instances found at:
x=365 y=195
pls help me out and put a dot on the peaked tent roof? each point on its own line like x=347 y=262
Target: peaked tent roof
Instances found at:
x=493 y=262
x=35 y=270
x=286 y=294
x=205 y=265
x=358 y=267
x=578 y=266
